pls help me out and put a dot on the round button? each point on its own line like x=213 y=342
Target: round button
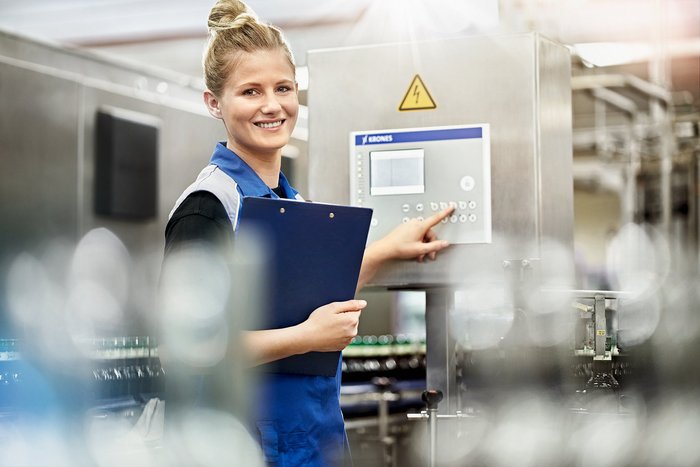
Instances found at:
x=405 y=220
x=405 y=208
x=420 y=218
x=467 y=183
x=462 y=218
x=434 y=206
x=444 y=221
x=462 y=205
x=419 y=207
x=453 y=219
x=472 y=217
x=453 y=204
x=443 y=205
x=374 y=222
x=472 y=204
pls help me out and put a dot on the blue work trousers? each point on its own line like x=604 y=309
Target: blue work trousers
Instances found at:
x=299 y=421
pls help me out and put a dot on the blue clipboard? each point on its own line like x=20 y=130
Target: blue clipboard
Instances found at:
x=316 y=253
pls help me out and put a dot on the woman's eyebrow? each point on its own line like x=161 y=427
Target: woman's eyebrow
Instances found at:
x=247 y=84
x=257 y=84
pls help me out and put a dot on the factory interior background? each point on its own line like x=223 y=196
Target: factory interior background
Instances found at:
x=563 y=327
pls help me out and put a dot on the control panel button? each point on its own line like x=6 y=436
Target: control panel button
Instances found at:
x=405 y=208
x=420 y=218
x=453 y=219
x=444 y=221
x=434 y=206
x=405 y=220
x=452 y=204
x=419 y=207
x=472 y=204
x=467 y=183
x=462 y=218
x=462 y=205
x=472 y=217
x=443 y=205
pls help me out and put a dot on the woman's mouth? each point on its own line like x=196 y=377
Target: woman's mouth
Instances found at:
x=274 y=124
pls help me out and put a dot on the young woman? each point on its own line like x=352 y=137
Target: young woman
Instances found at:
x=251 y=87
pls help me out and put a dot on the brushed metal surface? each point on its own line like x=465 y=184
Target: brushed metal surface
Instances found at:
x=38 y=159
x=47 y=151
x=518 y=84
x=555 y=143
x=92 y=66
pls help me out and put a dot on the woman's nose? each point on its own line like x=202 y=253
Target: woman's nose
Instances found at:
x=271 y=104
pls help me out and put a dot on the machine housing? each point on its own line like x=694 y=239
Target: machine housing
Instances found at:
x=516 y=85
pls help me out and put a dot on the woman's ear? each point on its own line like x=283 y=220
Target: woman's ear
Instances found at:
x=212 y=103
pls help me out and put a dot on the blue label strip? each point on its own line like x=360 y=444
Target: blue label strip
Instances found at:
x=415 y=136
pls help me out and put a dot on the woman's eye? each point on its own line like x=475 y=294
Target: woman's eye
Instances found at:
x=284 y=89
x=250 y=92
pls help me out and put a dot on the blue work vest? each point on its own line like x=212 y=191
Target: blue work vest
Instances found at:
x=297 y=418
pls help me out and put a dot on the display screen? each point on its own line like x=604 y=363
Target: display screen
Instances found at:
x=397 y=172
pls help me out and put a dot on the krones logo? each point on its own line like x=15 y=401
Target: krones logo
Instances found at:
x=377 y=139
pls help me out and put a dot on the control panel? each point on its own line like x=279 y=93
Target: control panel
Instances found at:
x=414 y=173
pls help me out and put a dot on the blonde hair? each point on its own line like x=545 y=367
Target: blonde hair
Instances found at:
x=234 y=28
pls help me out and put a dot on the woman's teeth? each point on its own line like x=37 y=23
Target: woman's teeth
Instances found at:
x=269 y=125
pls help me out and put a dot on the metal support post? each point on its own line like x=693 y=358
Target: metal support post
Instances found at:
x=441 y=369
x=600 y=326
x=432 y=398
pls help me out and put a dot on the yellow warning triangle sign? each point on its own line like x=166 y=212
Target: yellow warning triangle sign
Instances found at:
x=417 y=97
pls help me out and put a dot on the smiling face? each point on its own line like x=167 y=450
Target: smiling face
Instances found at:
x=258 y=104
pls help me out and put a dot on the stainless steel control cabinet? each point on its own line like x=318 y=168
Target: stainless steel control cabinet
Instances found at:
x=519 y=85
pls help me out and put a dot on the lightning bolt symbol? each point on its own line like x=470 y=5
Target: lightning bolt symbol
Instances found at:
x=416 y=92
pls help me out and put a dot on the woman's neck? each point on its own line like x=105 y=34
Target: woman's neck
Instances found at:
x=266 y=165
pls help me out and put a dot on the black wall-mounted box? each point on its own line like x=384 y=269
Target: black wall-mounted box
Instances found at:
x=126 y=164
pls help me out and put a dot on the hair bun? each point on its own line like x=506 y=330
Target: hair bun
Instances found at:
x=230 y=14
x=234 y=28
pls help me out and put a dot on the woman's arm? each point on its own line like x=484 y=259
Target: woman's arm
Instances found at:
x=332 y=327
x=414 y=239
x=329 y=328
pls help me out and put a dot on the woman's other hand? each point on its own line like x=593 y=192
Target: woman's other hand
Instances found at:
x=331 y=327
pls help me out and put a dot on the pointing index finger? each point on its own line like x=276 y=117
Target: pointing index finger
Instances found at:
x=435 y=219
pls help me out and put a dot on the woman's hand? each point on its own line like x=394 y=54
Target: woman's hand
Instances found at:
x=331 y=327
x=414 y=239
